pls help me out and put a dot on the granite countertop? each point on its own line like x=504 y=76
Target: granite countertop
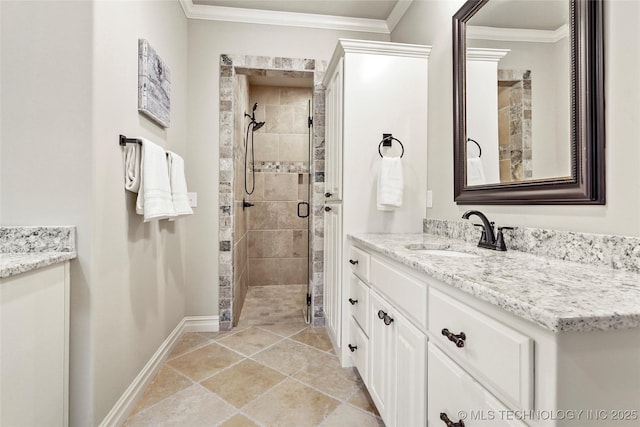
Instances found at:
x=27 y=248
x=562 y=296
x=15 y=263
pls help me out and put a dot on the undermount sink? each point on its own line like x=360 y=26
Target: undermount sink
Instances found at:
x=438 y=250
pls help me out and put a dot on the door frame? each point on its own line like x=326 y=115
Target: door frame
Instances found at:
x=230 y=65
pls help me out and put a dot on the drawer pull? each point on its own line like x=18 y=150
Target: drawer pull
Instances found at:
x=327 y=195
x=450 y=423
x=385 y=317
x=327 y=208
x=353 y=301
x=458 y=340
x=353 y=261
x=352 y=347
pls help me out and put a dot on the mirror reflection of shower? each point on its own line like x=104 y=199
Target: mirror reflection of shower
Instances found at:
x=252 y=126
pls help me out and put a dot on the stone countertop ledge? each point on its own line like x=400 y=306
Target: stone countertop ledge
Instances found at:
x=24 y=249
x=16 y=263
x=561 y=296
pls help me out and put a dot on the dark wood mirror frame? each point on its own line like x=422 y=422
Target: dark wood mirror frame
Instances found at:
x=587 y=183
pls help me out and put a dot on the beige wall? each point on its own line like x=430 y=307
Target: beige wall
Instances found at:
x=429 y=22
x=207 y=41
x=69 y=87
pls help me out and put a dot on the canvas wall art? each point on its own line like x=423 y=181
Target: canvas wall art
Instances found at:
x=154 y=85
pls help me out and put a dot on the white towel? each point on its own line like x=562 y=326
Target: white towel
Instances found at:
x=475 y=172
x=132 y=167
x=178 y=183
x=154 y=195
x=390 y=184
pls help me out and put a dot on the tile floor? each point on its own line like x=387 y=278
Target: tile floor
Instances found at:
x=278 y=372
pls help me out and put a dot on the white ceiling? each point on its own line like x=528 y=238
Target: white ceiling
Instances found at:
x=369 y=9
x=523 y=14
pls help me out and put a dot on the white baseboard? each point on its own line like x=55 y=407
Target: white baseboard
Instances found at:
x=134 y=392
x=201 y=324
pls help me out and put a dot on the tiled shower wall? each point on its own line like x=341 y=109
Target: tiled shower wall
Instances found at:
x=514 y=125
x=240 y=278
x=277 y=237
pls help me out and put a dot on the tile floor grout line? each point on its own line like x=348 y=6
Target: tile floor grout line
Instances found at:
x=226 y=368
x=259 y=351
x=209 y=341
x=166 y=397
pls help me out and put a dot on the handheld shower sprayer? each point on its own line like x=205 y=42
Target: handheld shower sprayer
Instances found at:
x=252 y=126
x=256 y=124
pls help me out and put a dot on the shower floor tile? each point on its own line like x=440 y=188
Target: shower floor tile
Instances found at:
x=272 y=370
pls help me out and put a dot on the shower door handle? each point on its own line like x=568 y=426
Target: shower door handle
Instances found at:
x=302 y=204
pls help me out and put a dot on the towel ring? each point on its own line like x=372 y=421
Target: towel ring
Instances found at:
x=478 y=145
x=389 y=139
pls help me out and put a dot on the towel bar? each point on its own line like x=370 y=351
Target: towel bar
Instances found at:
x=123 y=140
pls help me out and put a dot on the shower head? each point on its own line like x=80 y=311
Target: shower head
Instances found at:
x=257 y=125
x=255 y=106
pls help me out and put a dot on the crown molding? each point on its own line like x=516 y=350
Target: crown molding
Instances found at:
x=486 y=55
x=375 y=48
x=397 y=13
x=290 y=19
x=383 y=48
x=517 y=34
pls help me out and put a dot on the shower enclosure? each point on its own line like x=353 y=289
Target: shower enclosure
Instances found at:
x=267 y=240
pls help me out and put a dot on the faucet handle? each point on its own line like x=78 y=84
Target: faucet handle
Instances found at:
x=500 y=245
x=483 y=236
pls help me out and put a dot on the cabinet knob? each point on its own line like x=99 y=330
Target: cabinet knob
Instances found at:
x=353 y=301
x=458 y=340
x=385 y=317
x=448 y=422
x=353 y=261
x=352 y=347
x=327 y=208
x=387 y=320
x=327 y=194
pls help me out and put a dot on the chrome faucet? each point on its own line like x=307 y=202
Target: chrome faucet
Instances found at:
x=488 y=238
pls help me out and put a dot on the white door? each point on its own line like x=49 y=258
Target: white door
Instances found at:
x=410 y=374
x=333 y=136
x=333 y=270
x=381 y=357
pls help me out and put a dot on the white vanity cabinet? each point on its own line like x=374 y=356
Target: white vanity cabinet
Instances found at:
x=34 y=347
x=388 y=350
x=444 y=355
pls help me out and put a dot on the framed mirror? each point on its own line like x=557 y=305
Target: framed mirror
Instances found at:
x=528 y=99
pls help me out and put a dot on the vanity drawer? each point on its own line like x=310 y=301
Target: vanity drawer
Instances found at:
x=455 y=393
x=359 y=350
x=358 y=302
x=498 y=356
x=409 y=294
x=359 y=262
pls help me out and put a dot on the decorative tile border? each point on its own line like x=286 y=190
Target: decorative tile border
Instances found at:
x=230 y=65
x=618 y=252
x=285 y=167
